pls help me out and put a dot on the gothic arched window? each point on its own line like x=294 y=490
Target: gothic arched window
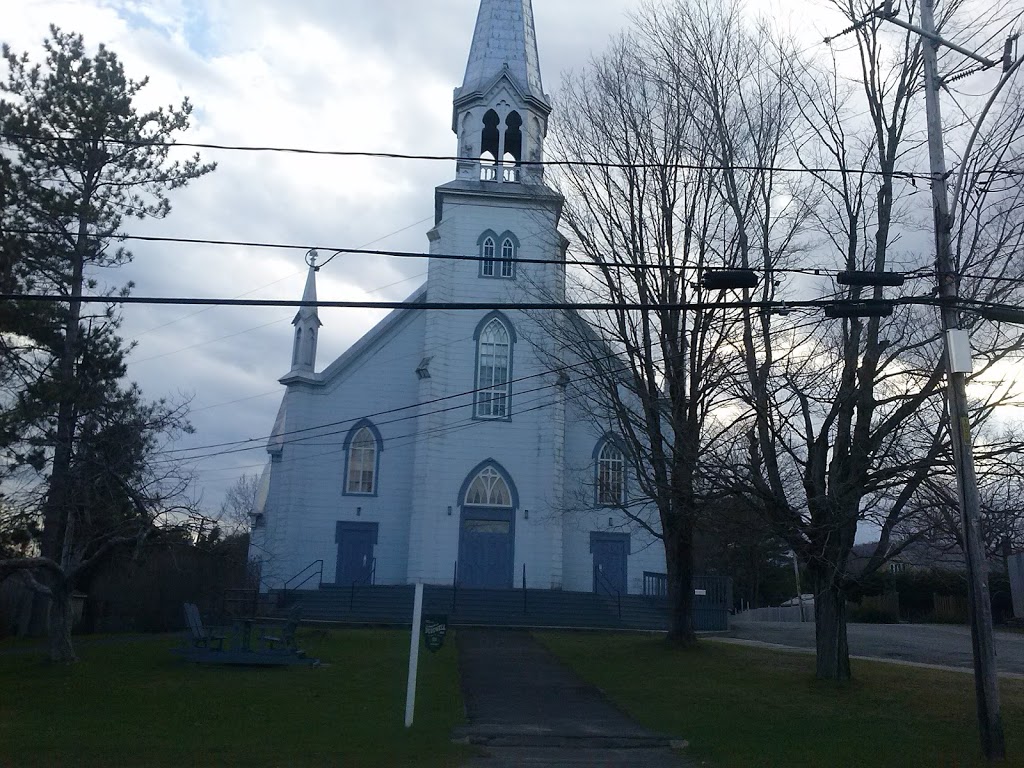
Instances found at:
x=493 y=369
x=487 y=254
x=490 y=146
x=362 y=455
x=488 y=489
x=508 y=254
x=611 y=474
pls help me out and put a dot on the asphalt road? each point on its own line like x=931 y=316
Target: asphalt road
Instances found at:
x=923 y=643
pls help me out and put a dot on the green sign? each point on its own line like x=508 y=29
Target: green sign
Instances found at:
x=434 y=629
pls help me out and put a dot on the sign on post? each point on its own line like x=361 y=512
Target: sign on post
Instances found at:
x=435 y=628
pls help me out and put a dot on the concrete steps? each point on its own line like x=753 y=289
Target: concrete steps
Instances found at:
x=393 y=605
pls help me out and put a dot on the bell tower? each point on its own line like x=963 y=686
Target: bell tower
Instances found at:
x=500 y=112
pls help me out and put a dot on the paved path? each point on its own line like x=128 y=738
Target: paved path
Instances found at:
x=525 y=708
x=939 y=644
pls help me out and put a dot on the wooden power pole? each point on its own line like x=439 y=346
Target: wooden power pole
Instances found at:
x=986 y=681
x=958 y=354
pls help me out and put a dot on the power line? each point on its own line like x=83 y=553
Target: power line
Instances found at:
x=345 y=424
x=447 y=305
x=455 y=158
x=466 y=393
x=815 y=271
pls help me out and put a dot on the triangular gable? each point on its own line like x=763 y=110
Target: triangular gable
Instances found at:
x=372 y=337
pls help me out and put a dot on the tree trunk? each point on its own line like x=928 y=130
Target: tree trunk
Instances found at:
x=679 y=562
x=833 y=652
x=61 y=649
x=56 y=505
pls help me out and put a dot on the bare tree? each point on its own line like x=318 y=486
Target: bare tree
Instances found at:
x=848 y=420
x=645 y=209
x=240 y=504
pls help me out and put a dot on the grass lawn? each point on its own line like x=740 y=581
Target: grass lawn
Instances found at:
x=741 y=706
x=132 y=703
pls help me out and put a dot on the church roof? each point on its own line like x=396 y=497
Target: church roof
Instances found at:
x=505 y=37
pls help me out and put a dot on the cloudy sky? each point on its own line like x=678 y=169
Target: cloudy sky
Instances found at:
x=372 y=75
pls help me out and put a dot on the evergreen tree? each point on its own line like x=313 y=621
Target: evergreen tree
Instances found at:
x=82 y=159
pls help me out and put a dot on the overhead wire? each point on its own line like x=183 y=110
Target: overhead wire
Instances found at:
x=752 y=168
x=509 y=306
x=592 y=264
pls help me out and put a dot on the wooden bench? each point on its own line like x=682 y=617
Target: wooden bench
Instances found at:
x=202 y=637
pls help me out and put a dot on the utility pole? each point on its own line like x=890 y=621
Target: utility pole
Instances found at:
x=986 y=681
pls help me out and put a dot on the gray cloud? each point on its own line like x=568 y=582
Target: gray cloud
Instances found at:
x=355 y=75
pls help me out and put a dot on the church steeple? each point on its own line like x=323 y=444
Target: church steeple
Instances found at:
x=307 y=325
x=501 y=111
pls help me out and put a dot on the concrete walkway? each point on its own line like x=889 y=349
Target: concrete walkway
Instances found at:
x=525 y=708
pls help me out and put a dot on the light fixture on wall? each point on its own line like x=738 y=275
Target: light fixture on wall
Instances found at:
x=526 y=514
x=611 y=523
x=449 y=511
x=359 y=511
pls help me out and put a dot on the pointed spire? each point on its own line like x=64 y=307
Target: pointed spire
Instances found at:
x=505 y=38
x=307 y=323
x=309 y=294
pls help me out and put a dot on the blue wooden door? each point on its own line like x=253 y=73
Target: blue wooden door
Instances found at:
x=610 y=565
x=355 y=555
x=485 y=553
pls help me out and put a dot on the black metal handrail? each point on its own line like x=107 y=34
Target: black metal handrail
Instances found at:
x=318 y=565
x=524 y=589
x=455 y=585
x=368 y=580
x=605 y=582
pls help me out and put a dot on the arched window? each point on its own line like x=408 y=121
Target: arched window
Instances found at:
x=490 y=141
x=487 y=253
x=498 y=261
x=488 y=489
x=513 y=147
x=611 y=474
x=493 y=370
x=508 y=253
x=362 y=453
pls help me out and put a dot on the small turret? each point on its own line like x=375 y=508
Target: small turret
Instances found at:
x=307 y=325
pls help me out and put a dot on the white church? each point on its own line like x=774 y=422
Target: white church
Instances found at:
x=444 y=447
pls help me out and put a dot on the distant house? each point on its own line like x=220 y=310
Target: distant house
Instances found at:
x=919 y=555
x=443 y=447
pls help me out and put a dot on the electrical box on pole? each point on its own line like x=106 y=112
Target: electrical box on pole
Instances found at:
x=871 y=279
x=729 y=279
x=1003 y=314
x=859 y=309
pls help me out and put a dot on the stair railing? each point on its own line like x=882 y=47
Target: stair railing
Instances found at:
x=603 y=580
x=524 y=588
x=368 y=580
x=455 y=584
x=313 y=570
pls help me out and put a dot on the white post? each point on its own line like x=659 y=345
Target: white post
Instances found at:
x=414 y=655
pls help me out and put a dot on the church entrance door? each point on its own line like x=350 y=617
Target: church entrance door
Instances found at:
x=611 y=551
x=487 y=529
x=485 y=549
x=355 y=553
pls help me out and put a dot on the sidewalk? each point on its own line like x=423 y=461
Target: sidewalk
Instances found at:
x=525 y=708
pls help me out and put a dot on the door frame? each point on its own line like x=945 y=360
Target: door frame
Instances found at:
x=604 y=537
x=501 y=514
x=343 y=527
